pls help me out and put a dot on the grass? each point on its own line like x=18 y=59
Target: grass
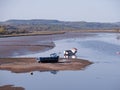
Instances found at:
x=60 y=32
x=34 y=33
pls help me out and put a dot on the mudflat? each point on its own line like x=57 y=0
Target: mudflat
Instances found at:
x=15 y=46
x=22 y=65
x=11 y=87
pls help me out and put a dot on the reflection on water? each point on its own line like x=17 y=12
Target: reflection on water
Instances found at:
x=104 y=74
x=70 y=56
x=101 y=46
x=118 y=37
x=54 y=72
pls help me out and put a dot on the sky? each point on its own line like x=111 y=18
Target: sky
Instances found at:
x=63 y=10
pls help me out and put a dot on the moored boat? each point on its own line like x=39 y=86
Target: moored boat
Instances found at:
x=52 y=59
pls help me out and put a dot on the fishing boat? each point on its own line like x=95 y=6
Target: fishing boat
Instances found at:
x=52 y=59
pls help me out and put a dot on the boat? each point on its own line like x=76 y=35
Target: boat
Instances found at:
x=52 y=59
x=70 y=53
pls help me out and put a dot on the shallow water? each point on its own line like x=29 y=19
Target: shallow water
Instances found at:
x=104 y=74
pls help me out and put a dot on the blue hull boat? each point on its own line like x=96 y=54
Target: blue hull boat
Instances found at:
x=52 y=59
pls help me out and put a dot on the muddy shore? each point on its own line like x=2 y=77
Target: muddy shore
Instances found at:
x=22 y=65
x=11 y=87
x=15 y=46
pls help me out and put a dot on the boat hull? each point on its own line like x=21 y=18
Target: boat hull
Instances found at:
x=48 y=59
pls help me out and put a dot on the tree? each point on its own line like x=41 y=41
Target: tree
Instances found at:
x=2 y=30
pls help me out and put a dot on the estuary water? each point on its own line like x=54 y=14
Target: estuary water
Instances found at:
x=103 y=74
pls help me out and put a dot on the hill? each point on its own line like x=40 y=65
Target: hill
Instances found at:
x=54 y=25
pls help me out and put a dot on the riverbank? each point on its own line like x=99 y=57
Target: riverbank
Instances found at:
x=22 y=65
x=98 y=49
x=59 y=32
x=11 y=87
x=33 y=33
x=15 y=46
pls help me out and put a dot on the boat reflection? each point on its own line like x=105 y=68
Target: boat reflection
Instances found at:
x=118 y=37
x=54 y=72
x=70 y=56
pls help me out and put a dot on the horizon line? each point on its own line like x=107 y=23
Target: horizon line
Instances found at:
x=63 y=20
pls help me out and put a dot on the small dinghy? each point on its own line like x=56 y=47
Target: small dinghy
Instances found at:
x=52 y=59
x=70 y=53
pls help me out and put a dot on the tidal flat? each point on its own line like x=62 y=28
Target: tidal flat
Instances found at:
x=99 y=48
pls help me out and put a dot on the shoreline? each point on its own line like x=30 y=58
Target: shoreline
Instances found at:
x=34 y=44
x=11 y=87
x=15 y=46
x=60 y=32
x=23 y=65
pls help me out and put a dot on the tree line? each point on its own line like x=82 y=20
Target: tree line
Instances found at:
x=5 y=31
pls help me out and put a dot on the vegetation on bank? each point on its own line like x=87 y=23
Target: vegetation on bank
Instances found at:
x=5 y=31
x=47 y=27
x=2 y=30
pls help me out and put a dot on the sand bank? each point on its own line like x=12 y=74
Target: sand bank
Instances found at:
x=11 y=87
x=15 y=46
x=22 y=65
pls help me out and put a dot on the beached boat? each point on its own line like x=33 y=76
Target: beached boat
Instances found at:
x=52 y=59
x=70 y=53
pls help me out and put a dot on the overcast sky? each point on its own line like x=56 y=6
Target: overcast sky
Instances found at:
x=64 y=10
